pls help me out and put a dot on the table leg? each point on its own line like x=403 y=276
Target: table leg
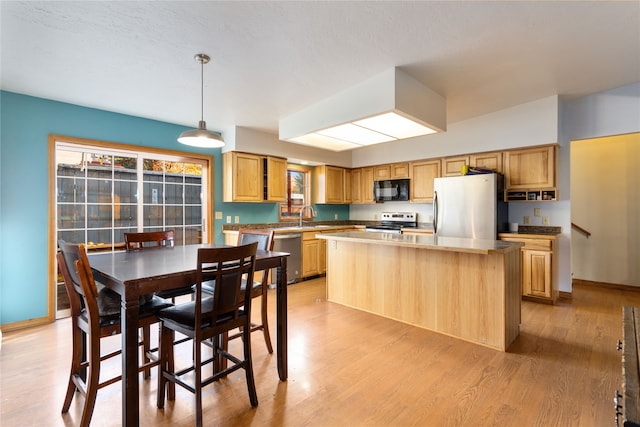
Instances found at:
x=129 y=326
x=281 y=319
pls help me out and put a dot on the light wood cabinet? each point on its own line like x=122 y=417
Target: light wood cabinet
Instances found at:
x=362 y=185
x=533 y=168
x=328 y=185
x=422 y=175
x=391 y=171
x=487 y=160
x=276 y=179
x=537 y=267
x=251 y=177
x=452 y=166
x=310 y=254
x=347 y=186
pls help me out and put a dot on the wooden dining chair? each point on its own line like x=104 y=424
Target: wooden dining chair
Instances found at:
x=207 y=318
x=265 y=240
x=156 y=239
x=93 y=318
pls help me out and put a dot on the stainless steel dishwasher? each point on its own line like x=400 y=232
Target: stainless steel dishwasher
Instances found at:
x=291 y=243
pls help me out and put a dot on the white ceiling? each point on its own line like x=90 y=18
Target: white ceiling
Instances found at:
x=272 y=58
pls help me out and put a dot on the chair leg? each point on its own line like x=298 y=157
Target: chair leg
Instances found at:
x=248 y=368
x=76 y=360
x=197 y=380
x=265 y=321
x=92 y=379
x=165 y=351
x=146 y=347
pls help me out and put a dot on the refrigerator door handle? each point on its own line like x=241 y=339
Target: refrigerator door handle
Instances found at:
x=435 y=212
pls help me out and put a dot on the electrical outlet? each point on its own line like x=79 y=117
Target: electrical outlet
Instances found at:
x=228 y=219
x=218 y=215
x=545 y=220
x=526 y=220
x=536 y=212
x=335 y=216
x=237 y=219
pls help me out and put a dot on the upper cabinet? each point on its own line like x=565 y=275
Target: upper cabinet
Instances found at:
x=362 y=185
x=328 y=185
x=452 y=166
x=391 y=171
x=422 y=174
x=347 y=186
x=491 y=161
x=530 y=174
x=251 y=177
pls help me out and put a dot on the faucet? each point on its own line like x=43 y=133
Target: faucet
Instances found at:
x=313 y=212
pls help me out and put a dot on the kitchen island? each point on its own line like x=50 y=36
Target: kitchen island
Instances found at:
x=465 y=288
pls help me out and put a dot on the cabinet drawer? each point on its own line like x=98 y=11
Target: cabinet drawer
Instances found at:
x=532 y=244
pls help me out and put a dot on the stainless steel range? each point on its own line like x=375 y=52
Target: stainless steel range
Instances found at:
x=394 y=222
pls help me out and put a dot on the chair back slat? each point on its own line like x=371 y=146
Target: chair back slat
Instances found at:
x=265 y=239
x=150 y=239
x=225 y=267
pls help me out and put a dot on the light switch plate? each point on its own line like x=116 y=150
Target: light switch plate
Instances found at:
x=228 y=219
x=536 y=212
x=218 y=215
x=237 y=219
x=526 y=220
x=545 y=220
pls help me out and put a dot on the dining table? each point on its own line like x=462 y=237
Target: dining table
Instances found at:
x=136 y=273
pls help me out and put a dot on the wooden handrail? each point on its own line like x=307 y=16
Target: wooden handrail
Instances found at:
x=581 y=230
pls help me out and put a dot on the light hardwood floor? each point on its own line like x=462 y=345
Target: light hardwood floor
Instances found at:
x=349 y=368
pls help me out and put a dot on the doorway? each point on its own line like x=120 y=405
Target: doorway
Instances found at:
x=605 y=201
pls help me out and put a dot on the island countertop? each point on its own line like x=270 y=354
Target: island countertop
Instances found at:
x=451 y=244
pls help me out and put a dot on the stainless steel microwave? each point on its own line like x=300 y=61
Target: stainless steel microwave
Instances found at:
x=391 y=190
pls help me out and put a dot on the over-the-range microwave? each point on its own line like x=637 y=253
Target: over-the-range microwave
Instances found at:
x=391 y=190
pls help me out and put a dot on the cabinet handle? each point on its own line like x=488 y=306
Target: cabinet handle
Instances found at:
x=619 y=345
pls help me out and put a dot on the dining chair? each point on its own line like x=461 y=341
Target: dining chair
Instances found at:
x=265 y=239
x=94 y=317
x=156 y=239
x=207 y=318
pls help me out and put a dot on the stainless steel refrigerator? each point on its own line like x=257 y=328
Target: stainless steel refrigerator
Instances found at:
x=470 y=206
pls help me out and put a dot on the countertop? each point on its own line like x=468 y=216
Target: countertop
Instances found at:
x=451 y=244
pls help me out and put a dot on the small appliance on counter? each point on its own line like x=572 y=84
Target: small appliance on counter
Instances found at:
x=394 y=222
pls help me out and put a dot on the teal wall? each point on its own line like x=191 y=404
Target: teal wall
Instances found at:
x=25 y=124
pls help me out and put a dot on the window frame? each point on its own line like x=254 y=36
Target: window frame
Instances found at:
x=307 y=194
x=113 y=147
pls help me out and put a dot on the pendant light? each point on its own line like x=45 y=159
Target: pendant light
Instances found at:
x=201 y=137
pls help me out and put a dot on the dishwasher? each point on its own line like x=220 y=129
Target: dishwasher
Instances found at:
x=291 y=243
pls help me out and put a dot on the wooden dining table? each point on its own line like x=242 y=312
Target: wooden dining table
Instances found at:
x=132 y=274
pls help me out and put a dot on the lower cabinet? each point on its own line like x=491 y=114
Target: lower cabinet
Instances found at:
x=311 y=251
x=537 y=267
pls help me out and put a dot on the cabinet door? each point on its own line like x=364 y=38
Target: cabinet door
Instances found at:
x=243 y=177
x=381 y=172
x=329 y=184
x=356 y=186
x=530 y=169
x=487 y=160
x=452 y=166
x=536 y=269
x=399 y=170
x=276 y=179
x=366 y=181
x=422 y=175
x=310 y=254
x=347 y=186
x=322 y=256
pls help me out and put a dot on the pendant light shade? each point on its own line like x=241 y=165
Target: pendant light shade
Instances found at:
x=201 y=137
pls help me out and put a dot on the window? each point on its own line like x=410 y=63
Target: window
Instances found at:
x=298 y=193
x=103 y=191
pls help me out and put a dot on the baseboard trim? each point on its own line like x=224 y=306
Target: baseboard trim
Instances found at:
x=565 y=296
x=580 y=282
x=8 y=327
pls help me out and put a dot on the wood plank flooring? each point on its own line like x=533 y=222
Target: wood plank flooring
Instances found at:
x=349 y=368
